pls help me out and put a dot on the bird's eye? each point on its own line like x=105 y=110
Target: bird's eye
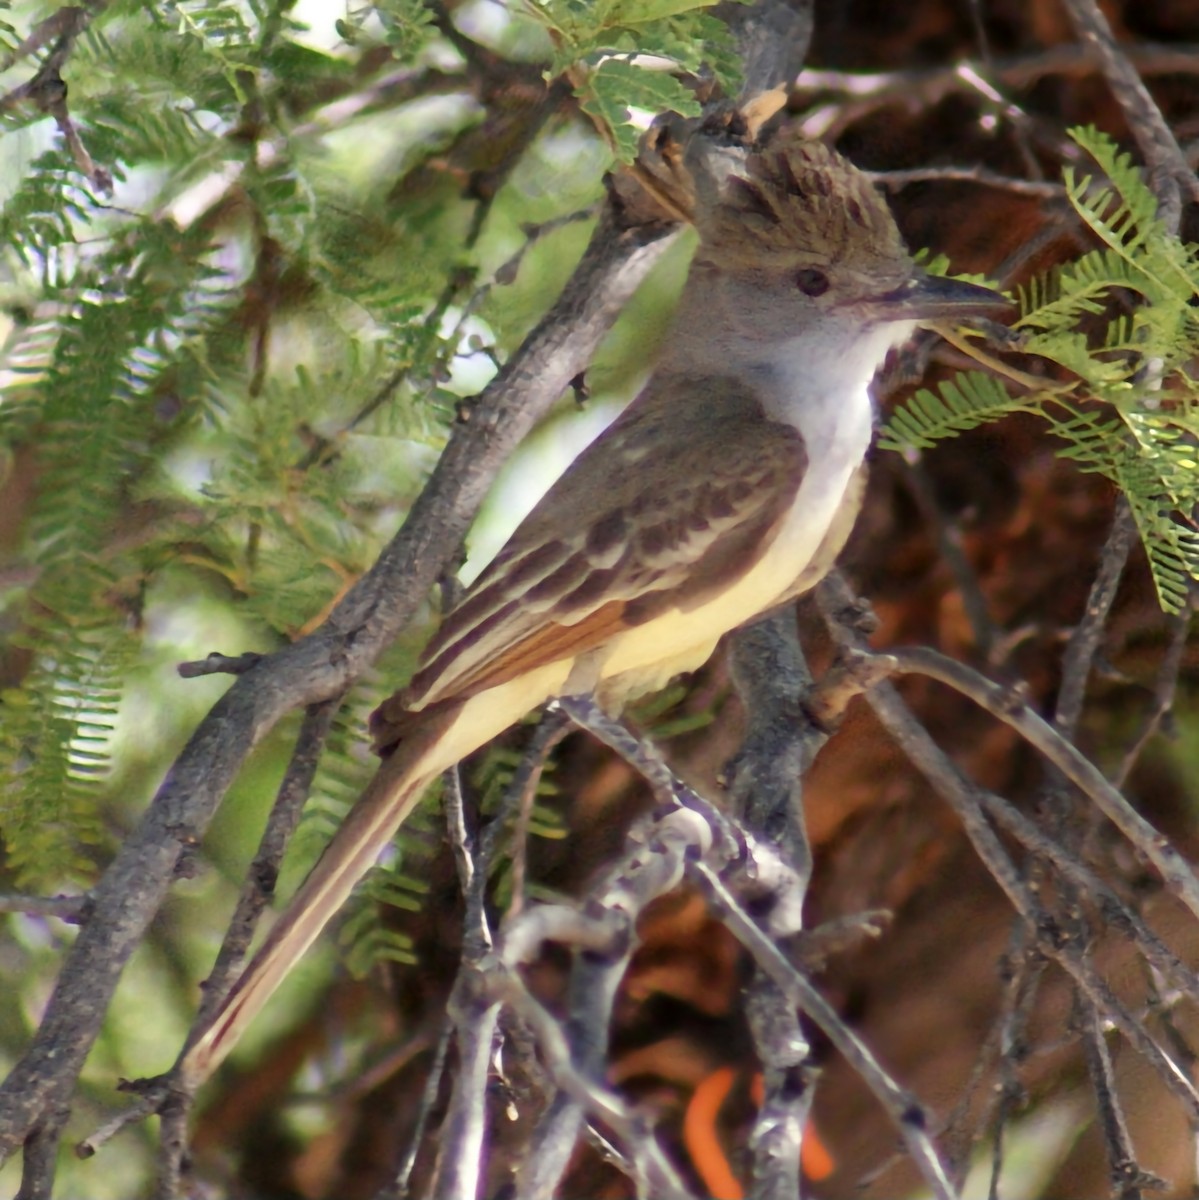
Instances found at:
x=812 y=281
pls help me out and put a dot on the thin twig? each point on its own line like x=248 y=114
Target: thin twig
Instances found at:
x=634 y=1134
x=47 y=90
x=462 y=841
x=959 y=793
x=1164 y=688
x=317 y=667
x=1128 y=1180
x=949 y=545
x=1126 y=921
x=864 y=93
x=73 y=910
x=473 y=1014
x=602 y=937
x=259 y=888
x=900 y=1106
x=460 y=1157
x=895 y=181
x=1084 y=641
x=1027 y=968
x=219 y=664
x=518 y=808
x=1077 y=664
x=400 y=1188
x=256 y=894
x=1170 y=176
x=949 y=783
x=144 y=1107
x=1004 y=704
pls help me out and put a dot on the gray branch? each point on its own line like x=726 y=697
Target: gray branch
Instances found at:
x=318 y=667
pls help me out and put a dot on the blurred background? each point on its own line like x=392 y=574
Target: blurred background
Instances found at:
x=224 y=375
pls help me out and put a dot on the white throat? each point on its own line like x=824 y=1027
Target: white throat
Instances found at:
x=819 y=383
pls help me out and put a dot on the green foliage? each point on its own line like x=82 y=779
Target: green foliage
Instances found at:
x=969 y=400
x=1121 y=321
x=493 y=778
x=661 y=719
x=606 y=47
x=365 y=941
x=8 y=34
x=44 y=212
x=616 y=85
x=407 y=25
x=231 y=374
x=190 y=377
x=228 y=34
x=92 y=408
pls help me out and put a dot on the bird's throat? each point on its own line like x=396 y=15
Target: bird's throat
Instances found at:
x=819 y=383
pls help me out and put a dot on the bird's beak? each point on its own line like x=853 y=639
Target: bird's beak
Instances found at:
x=934 y=298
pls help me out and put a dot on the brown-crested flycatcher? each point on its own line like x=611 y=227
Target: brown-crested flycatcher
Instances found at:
x=727 y=488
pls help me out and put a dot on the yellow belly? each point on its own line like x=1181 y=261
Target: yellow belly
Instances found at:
x=646 y=657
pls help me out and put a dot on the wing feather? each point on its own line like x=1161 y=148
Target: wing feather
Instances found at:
x=680 y=495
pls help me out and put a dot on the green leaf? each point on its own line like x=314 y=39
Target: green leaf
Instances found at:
x=1121 y=319
x=970 y=399
x=640 y=12
x=408 y=26
x=617 y=85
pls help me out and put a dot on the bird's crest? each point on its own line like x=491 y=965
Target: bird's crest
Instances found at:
x=798 y=199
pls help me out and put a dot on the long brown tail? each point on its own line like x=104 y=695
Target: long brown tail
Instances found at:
x=372 y=822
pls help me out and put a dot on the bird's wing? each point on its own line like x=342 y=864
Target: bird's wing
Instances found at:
x=678 y=498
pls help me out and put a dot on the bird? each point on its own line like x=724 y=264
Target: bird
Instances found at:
x=724 y=490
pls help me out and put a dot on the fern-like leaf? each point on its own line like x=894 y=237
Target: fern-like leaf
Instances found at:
x=969 y=400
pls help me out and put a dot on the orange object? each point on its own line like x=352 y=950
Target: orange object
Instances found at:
x=702 y=1140
x=815 y=1161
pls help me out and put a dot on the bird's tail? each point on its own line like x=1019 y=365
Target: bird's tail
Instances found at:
x=370 y=825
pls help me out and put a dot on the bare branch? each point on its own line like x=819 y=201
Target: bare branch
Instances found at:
x=896 y=180
x=399 y=1190
x=1084 y=641
x=74 y=910
x=264 y=870
x=957 y=791
x=460 y=1155
x=901 y=1107
x=772 y=41
x=219 y=664
x=1164 y=688
x=1128 y=1180
x=47 y=90
x=1002 y=703
x=651 y=1167
x=1113 y=909
x=864 y=93
x=321 y=665
x=473 y=1015
x=1170 y=176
